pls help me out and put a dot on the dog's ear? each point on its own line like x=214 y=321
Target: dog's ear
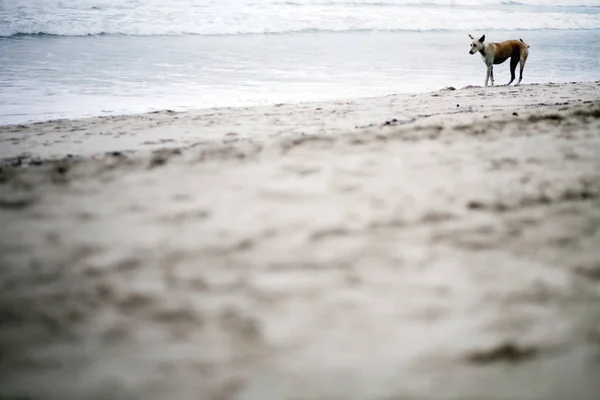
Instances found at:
x=471 y=36
x=482 y=39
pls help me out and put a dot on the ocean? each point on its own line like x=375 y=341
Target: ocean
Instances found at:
x=65 y=59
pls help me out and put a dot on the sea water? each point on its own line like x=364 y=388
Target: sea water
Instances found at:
x=64 y=59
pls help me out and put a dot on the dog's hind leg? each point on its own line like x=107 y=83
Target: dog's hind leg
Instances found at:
x=514 y=60
x=522 y=62
x=524 y=53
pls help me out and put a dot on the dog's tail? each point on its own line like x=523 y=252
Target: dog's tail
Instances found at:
x=524 y=43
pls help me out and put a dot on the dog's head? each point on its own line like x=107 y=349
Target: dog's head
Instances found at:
x=477 y=44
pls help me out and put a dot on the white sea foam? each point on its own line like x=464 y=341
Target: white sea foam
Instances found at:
x=233 y=17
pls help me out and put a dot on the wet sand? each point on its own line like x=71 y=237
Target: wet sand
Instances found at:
x=441 y=245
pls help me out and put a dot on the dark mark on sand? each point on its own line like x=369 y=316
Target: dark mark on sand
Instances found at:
x=506 y=352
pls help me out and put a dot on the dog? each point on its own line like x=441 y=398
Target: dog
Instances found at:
x=497 y=53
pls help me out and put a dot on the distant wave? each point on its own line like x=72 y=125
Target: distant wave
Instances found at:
x=450 y=3
x=299 y=31
x=33 y=34
x=240 y=17
x=557 y=3
x=482 y=26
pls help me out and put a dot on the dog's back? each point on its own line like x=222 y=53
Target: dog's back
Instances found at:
x=509 y=48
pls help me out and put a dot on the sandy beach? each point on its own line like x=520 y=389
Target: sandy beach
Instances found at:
x=434 y=246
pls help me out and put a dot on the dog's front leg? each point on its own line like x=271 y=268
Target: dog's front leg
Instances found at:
x=489 y=75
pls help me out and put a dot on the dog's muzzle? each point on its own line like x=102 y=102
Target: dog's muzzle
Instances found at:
x=471 y=52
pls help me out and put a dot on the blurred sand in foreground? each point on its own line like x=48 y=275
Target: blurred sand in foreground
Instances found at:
x=442 y=245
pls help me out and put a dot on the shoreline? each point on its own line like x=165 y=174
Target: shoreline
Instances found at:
x=51 y=139
x=433 y=246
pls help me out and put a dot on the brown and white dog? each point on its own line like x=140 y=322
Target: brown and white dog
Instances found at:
x=497 y=53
